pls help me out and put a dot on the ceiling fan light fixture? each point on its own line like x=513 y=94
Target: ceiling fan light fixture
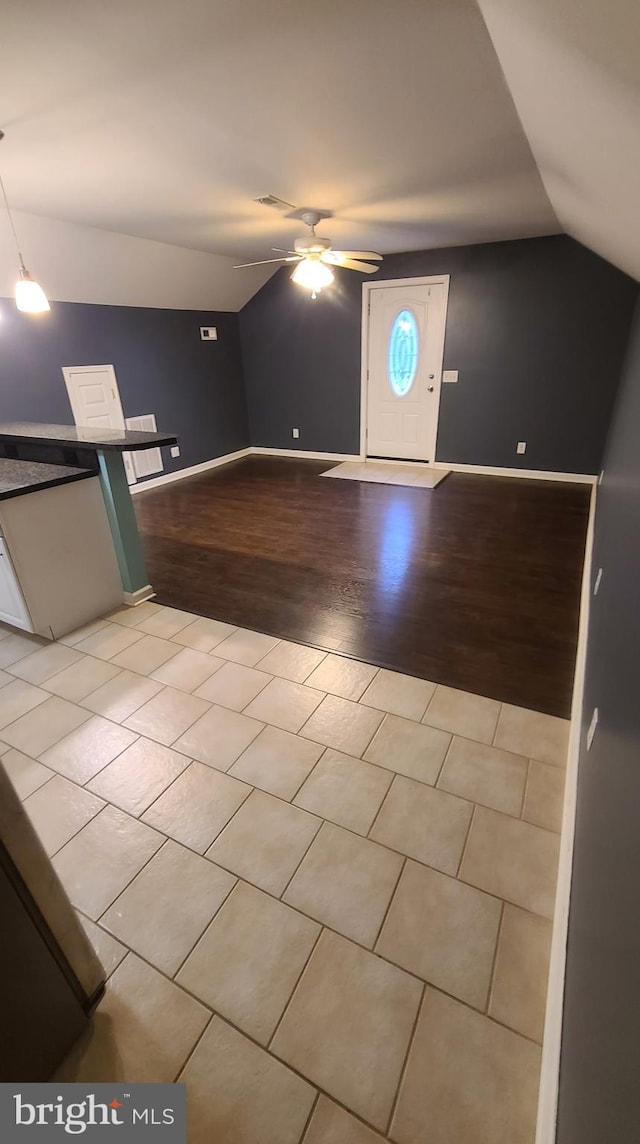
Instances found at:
x=313 y=275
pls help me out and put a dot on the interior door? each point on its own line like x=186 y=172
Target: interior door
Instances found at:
x=95 y=401
x=405 y=347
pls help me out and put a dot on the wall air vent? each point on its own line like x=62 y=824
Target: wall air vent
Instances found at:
x=274 y=201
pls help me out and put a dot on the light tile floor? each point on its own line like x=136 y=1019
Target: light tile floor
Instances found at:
x=321 y=891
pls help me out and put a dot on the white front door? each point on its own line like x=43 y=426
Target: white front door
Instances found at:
x=95 y=401
x=404 y=361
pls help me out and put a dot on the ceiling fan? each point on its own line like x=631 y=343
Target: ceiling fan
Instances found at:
x=314 y=257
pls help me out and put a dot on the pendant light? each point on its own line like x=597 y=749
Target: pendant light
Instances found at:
x=30 y=297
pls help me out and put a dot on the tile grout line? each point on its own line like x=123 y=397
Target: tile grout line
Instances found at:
x=495 y=730
x=322 y=822
x=219 y=703
x=292 y=800
x=166 y=687
x=307 y=1126
x=75 y=834
x=494 y=962
x=132 y=879
x=185 y=1062
x=405 y=1063
x=200 y=853
x=444 y=763
x=379 y=812
x=385 y=716
x=84 y=785
x=389 y=904
x=203 y=931
x=293 y=991
x=466 y=841
x=524 y=791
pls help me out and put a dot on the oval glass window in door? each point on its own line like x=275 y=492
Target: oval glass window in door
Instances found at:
x=402 y=354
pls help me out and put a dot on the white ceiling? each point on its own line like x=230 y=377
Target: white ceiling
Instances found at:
x=164 y=120
x=573 y=68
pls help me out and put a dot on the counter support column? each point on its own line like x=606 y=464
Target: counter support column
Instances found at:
x=124 y=528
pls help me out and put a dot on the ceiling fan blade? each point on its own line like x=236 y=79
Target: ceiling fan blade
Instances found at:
x=282 y=250
x=354 y=264
x=339 y=255
x=243 y=265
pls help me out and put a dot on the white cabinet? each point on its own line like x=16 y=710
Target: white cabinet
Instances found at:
x=59 y=565
x=13 y=609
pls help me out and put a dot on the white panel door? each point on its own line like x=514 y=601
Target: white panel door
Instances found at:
x=94 y=397
x=95 y=401
x=405 y=347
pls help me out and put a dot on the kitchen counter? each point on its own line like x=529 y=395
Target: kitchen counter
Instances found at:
x=28 y=448
x=72 y=436
x=19 y=477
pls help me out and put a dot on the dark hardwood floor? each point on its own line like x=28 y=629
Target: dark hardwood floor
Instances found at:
x=475 y=584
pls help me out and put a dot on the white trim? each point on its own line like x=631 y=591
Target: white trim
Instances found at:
x=132 y=599
x=305 y=454
x=383 y=284
x=530 y=474
x=192 y=471
x=552 y=1043
x=309 y=455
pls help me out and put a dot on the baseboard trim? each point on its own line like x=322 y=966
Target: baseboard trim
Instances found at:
x=311 y=455
x=139 y=596
x=552 y=1042
x=192 y=471
x=529 y=474
x=304 y=454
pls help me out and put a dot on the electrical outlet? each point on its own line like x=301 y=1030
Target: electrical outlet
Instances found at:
x=597 y=583
x=450 y=375
x=295 y=433
x=522 y=447
x=175 y=450
x=209 y=333
x=592 y=728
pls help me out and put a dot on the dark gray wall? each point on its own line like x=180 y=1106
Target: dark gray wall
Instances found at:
x=537 y=329
x=195 y=388
x=600 y=1066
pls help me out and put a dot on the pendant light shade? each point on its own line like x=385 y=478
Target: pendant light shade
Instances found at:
x=30 y=297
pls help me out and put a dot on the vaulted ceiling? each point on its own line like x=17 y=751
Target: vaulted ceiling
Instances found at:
x=419 y=123
x=165 y=120
x=573 y=69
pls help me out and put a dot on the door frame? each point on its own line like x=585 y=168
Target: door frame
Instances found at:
x=367 y=287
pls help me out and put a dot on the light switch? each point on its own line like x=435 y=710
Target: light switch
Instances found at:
x=450 y=375
x=209 y=333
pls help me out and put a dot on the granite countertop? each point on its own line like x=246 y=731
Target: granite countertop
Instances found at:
x=72 y=436
x=19 y=477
